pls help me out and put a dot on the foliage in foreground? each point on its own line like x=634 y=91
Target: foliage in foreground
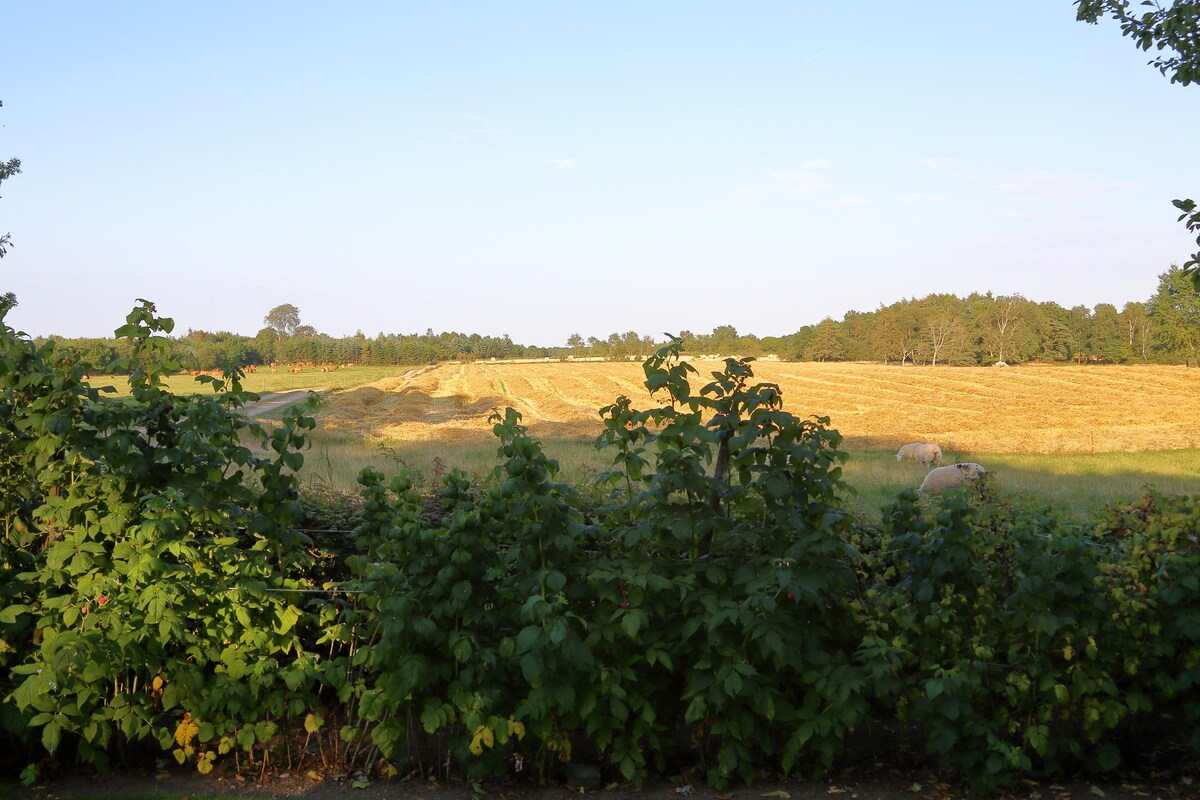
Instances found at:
x=718 y=608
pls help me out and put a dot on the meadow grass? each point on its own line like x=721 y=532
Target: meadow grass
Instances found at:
x=1079 y=486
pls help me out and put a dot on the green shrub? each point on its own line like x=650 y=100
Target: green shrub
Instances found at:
x=157 y=588
x=146 y=557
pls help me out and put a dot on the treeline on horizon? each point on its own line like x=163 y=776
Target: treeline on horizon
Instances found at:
x=939 y=329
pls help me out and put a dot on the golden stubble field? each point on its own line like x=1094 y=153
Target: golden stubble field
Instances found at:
x=1027 y=409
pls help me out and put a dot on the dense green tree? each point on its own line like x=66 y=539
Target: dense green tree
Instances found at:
x=856 y=328
x=1079 y=318
x=882 y=339
x=797 y=343
x=285 y=319
x=1056 y=341
x=898 y=334
x=1175 y=314
x=942 y=328
x=631 y=344
x=265 y=344
x=827 y=346
x=1006 y=335
x=1106 y=339
x=1136 y=321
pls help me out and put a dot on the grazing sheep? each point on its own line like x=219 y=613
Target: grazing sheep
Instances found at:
x=925 y=453
x=951 y=476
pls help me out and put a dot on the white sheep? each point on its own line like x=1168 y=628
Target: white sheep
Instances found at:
x=925 y=453
x=951 y=476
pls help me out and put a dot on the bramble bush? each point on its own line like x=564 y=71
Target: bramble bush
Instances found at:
x=145 y=559
x=710 y=605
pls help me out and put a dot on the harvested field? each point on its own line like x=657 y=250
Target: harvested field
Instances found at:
x=1028 y=409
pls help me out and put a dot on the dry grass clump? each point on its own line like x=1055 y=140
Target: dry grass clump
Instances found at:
x=1030 y=409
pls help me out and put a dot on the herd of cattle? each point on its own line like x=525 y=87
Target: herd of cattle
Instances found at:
x=940 y=477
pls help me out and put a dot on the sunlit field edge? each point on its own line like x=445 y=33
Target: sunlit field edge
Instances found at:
x=1078 y=485
x=263 y=381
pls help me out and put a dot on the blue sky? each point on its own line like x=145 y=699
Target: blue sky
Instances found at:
x=539 y=169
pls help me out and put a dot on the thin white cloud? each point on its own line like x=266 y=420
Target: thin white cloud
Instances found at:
x=1050 y=188
x=808 y=179
x=562 y=163
x=801 y=182
x=921 y=199
x=479 y=126
x=1045 y=216
x=1042 y=182
x=938 y=163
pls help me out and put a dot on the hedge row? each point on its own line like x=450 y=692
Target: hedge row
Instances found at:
x=154 y=588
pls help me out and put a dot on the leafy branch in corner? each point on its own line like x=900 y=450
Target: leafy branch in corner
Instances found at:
x=1174 y=28
x=7 y=170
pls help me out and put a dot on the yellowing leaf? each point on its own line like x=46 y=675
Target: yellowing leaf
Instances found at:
x=157 y=682
x=483 y=736
x=1068 y=652
x=516 y=727
x=186 y=731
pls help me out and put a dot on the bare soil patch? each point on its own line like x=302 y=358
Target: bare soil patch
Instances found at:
x=877 y=785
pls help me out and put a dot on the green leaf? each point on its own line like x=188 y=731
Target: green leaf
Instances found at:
x=11 y=614
x=942 y=739
x=288 y=616
x=555 y=581
x=294 y=678
x=435 y=715
x=31 y=689
x=462 y=650
x=1039 y=739
x=632 y=622
x=52 y=735
x=558 y=631
x=528 y=638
